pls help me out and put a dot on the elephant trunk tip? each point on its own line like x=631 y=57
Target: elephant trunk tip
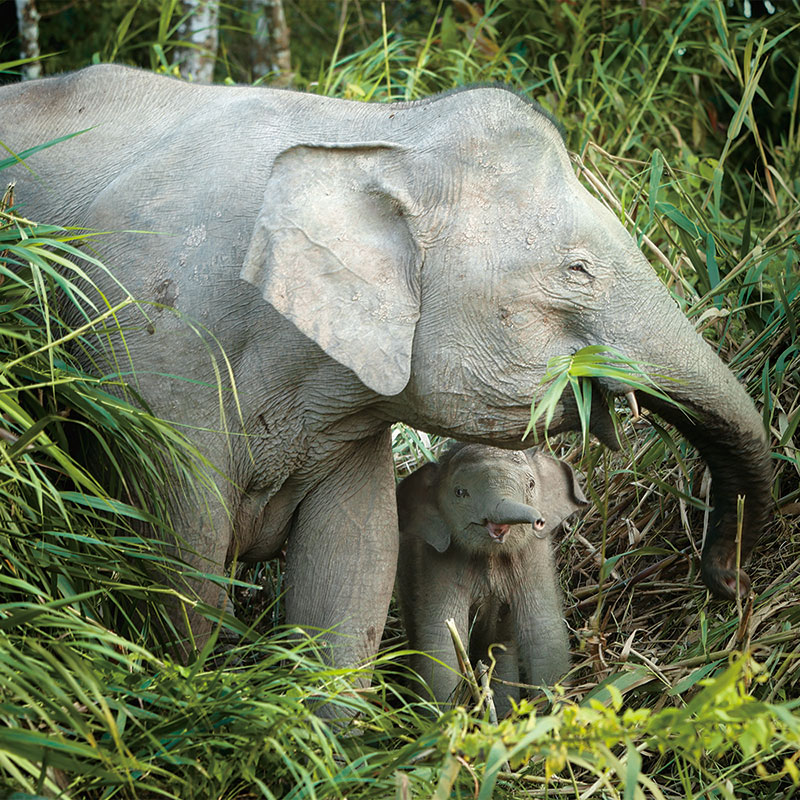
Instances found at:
x=739 y=459
x=725 y=583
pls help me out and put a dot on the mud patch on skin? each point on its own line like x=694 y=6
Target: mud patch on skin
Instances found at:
x=166 y=294
x=195 y=236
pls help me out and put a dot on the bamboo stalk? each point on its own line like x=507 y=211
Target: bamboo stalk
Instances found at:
x=463 y=661
x=486 y=690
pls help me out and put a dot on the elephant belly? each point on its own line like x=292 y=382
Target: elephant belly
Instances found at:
x=490 y=620
x=262 y=525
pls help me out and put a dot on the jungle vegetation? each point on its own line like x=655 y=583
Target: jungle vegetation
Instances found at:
x=683 y=118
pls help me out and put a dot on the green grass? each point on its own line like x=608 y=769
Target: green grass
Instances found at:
x=683 y=118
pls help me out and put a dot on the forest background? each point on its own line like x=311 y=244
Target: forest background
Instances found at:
x=683 y=118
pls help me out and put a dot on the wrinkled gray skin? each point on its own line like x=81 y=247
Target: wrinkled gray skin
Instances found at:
x=475 y=546
x=358 y=264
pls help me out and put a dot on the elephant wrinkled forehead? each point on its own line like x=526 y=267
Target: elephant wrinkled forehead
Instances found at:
x=512 y=175
x=489 y=130
x=530 y=149
x=482 y=458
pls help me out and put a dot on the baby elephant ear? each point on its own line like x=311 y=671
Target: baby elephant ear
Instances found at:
x=558 y=494
x=334 y=252
x=417 y=510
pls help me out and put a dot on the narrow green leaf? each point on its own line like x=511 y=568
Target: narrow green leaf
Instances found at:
x=19 y=158
x=109 y=505
x=680 y=219
x=712 y=268
x=633 y=769
x=447 y=778
x=656 y=171
x=495 y=761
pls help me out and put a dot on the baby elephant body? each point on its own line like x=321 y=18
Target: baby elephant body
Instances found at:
x=475 y=546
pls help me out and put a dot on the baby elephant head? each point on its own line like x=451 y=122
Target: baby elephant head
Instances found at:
x=484 y=499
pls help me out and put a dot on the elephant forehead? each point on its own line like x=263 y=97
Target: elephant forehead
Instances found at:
x=480 y=461
x=522 y=191
x=504 y=232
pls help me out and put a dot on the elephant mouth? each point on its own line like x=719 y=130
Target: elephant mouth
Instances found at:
x=497 y=531
x=601 y=422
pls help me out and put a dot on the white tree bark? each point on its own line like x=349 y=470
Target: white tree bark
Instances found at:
x=201 y=33
x=28 y=22
x=270 y=48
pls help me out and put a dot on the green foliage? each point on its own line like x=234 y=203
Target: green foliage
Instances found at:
x=575 y=372
x=87 y=712
x=720 y=723
x=75 y=444
x=684 y=120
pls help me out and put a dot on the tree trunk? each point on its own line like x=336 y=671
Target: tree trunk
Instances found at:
x=200 y=32
x=270 y=49
x=28 y=23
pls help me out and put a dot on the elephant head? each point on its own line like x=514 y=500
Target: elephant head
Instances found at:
x=486 y=500
x=444 y=251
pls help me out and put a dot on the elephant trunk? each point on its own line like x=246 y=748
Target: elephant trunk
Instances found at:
x=508 y=512
x=739 y=461
x=724 y=426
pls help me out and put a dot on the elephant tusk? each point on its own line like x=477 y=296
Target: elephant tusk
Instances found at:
x=633 y=405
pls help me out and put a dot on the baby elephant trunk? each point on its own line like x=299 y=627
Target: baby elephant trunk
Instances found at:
x=507 y=512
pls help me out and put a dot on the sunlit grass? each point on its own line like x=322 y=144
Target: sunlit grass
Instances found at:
x=673 y=113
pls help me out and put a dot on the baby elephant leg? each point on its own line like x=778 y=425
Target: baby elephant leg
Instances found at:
x=541 y=632
x=506 y=674
x=493 y=642
x=437 y=663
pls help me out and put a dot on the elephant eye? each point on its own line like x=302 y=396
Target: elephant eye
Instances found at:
x=531 y=484
x=461 y=492
x=578 y=266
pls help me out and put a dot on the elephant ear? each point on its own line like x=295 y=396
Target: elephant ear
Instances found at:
x=333 y=251
x=417 y=509
x=558 y=492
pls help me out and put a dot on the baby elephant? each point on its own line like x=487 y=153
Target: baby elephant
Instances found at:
x=474 y=546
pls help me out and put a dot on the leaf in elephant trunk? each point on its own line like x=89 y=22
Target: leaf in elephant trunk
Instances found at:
x=577 y=371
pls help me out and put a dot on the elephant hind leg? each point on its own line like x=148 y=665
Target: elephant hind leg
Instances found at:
x=193 y=559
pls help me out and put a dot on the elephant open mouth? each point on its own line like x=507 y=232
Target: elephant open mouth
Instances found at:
x=601 y=420
x=498 y=531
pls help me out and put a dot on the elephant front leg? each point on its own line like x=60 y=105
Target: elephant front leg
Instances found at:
x=501 y=650
x=540 y=631
x=341 y=555
x=437 y=663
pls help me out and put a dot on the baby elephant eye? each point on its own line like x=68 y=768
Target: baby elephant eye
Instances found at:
x=531 y=484
x=461 y=492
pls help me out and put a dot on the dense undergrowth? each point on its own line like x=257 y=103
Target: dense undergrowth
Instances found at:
x=684 y=119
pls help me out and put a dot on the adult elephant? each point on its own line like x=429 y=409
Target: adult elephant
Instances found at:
x=358 y=264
